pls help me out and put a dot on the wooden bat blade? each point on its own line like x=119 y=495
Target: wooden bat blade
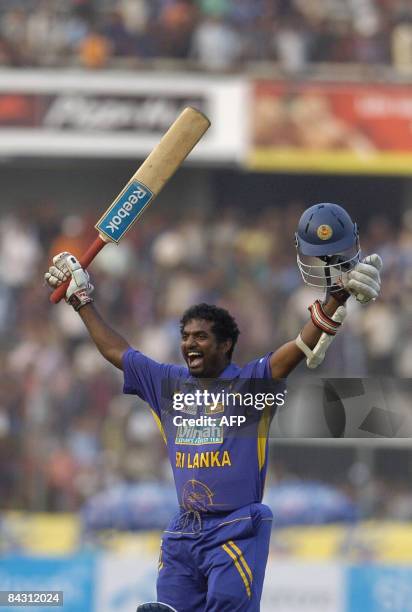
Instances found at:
x=145 y=184
x=172 y=150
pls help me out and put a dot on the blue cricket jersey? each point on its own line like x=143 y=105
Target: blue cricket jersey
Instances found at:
x=216 y=468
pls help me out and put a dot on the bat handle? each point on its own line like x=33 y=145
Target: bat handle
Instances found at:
x=85 y=261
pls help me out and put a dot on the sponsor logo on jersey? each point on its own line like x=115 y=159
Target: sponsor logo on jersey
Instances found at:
x=214 y=409
x=199 y=435
x=187 y=408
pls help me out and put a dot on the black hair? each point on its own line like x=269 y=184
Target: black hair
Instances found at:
x=224 y=325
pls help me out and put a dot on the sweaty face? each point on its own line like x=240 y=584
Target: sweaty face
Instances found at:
x=204 y=355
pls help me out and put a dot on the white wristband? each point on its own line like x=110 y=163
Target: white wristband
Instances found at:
x=303 y=347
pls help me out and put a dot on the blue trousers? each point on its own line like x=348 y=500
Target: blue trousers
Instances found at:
x=215 y=563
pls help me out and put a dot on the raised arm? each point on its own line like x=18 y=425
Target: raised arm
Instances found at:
x=110 y=344
x=363 y=282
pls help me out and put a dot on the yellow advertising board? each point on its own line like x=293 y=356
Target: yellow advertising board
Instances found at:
x=61 y=534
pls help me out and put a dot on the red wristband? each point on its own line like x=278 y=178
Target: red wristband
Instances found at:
x=321 y=320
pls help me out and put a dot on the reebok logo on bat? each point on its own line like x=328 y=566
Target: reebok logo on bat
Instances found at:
x=125 y=210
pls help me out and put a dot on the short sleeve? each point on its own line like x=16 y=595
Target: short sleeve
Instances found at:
x=145 y=377
x=259 y=368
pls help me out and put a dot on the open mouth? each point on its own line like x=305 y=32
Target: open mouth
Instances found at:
x=194 y=359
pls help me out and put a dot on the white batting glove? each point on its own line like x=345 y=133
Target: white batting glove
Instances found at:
x=364 y=281
x=65 y=265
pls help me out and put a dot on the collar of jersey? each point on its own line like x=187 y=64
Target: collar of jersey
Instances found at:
x=231 y=371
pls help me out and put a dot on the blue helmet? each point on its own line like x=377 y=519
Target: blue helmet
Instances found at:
x=326 y=233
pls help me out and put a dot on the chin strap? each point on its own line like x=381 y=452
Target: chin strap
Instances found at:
x=315 y=357
x=336 y=289
x=338 y=293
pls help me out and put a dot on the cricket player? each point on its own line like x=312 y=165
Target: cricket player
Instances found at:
x=214 y=551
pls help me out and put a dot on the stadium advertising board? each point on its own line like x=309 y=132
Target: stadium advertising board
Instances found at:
x=112 y=582
x=379 y=588
x=116 y=114
x=339 y=128
x=121 y=581
x=303 y=587
x=72 y=575
x=58 y=535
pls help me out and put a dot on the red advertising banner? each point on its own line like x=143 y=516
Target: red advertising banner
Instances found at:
x=349 y=128
x=18 y=109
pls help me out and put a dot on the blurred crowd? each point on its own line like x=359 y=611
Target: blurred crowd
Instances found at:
x=211 y=34
x=66 y=430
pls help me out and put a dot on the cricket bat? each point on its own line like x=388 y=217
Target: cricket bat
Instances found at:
x=145 y=184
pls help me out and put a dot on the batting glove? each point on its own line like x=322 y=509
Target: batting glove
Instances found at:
x=66 y=266
x=364 y=281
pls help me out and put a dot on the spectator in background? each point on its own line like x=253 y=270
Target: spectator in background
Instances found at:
x=46 y=35
x=135 y=14
x=8 y=55
x=13 y=31
x=20 y=251
x=216 y=44
x=325 y=41
x=401 y=44
x=60 y=473
x=291 y=43
x=76 y=29
x=119 y=38
x=86 y=10
x=246 y=11
x=72 y=235
x=367 y=31
x=215 y=8
x=95 y=50
x=177 y=23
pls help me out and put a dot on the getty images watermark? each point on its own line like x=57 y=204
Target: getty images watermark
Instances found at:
x=217 y=402
x=311 y=407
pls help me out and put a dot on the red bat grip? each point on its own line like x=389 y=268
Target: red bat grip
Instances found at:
x=85 y=261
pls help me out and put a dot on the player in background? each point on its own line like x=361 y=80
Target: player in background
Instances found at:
x=214 y=552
